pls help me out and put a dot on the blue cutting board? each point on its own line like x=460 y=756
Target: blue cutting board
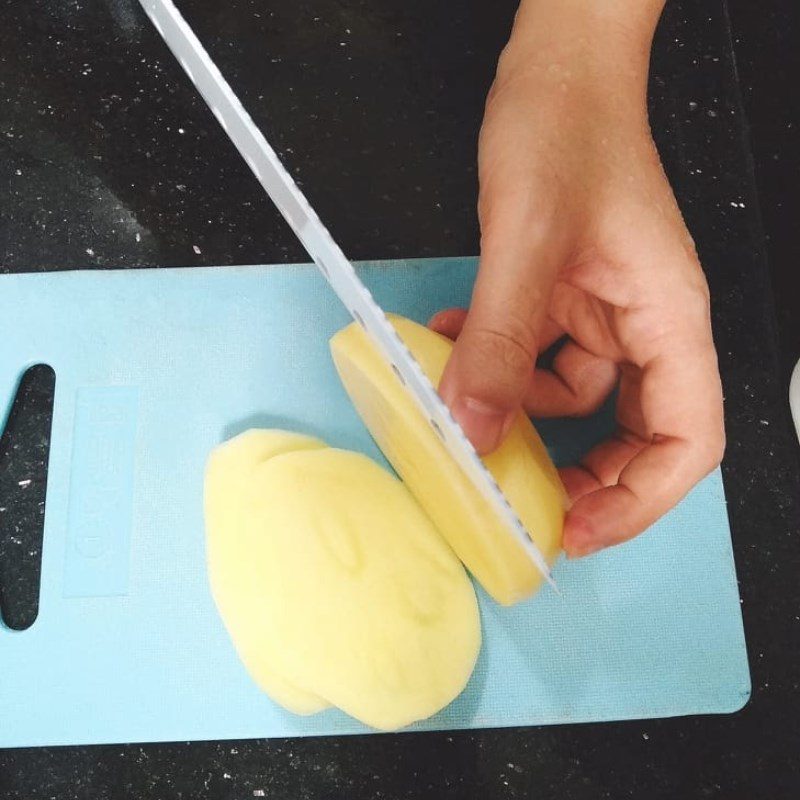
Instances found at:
x=153 y=369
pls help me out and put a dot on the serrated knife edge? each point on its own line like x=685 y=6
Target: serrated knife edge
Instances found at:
x=331 y=261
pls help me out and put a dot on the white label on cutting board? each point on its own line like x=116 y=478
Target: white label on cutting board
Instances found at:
x=97 y=555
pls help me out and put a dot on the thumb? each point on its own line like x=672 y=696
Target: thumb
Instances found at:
x=491 y=367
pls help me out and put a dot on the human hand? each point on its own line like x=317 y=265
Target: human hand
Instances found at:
x=582 y=237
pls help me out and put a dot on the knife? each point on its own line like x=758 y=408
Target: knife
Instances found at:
x=331 y=261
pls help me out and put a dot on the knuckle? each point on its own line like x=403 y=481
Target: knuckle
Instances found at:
x=510 y=348
x=496 y=90
x=696 y=300
x=587 y=405
x=509 y=71
x=717 y=451
x=712 y=450
x=684 y=315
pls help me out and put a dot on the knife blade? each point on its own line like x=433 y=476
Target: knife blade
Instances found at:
x=331 y=261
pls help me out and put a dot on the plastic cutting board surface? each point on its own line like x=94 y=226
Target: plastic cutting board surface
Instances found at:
x=153 y=369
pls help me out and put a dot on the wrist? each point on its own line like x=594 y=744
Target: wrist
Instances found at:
x=602 y=42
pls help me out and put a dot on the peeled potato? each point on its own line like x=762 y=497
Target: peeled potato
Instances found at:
x=234 y=577
x=334 y=586
x=521 y=466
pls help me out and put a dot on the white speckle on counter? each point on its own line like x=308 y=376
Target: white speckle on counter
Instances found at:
x=196 y=249
x=259 y=793
x=138 y=237
x=226 y=775
x=24 y=484
x=89 y=251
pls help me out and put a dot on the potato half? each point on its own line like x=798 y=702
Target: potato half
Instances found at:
x=333 y=583
x=521 y=466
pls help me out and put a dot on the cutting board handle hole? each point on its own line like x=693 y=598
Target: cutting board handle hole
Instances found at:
x=24 y=453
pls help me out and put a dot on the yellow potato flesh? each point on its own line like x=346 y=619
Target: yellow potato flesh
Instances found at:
x=334 y=585
x=233 y=576
x=521 y=466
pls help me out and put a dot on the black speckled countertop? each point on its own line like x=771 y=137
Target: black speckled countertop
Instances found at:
x=108 y=159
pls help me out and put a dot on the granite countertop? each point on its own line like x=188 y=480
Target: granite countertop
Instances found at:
x=110 y=160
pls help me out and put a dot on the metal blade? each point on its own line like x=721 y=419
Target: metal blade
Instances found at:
x=330 y=260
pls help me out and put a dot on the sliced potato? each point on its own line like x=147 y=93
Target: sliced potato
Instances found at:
x=521 y=466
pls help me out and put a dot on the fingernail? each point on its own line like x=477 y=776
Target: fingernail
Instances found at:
x=484 y=425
